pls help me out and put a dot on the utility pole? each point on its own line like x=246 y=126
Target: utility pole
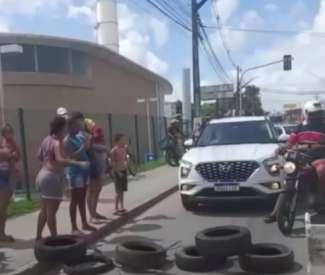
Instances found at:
x=238 y=90
x=195 y=55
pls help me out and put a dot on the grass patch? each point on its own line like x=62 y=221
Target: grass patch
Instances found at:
x=23 y=207
x=152 y=165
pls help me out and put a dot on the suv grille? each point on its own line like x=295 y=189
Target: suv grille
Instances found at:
x=236 y=171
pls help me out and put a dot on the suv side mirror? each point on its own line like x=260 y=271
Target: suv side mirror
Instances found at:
x=283 y=138
x=189 y=143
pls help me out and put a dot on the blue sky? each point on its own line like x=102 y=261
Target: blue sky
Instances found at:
x=151 y=39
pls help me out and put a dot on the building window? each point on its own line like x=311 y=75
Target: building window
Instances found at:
x=53 y=59
x=80 y=63
x=19 y=62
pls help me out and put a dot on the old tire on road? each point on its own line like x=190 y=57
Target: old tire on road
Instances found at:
x=188 y=259
x=140 y=255
x=223 y=241
x=62 y=248
x=267 y=258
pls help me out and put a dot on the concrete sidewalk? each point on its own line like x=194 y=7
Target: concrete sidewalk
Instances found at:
x=144 y=191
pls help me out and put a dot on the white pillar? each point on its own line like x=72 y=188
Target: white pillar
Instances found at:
x=107 y=24
x=187 y=110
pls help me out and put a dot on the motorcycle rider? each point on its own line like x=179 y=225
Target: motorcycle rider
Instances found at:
x=176 y=137
x=313 y=124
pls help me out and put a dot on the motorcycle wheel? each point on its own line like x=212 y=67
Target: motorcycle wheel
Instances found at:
x=171 y=159
x=287 y=212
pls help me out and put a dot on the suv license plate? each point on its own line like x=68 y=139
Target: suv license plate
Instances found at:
x=226 y=188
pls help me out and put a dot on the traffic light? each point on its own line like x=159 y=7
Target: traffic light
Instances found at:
x=287 y=62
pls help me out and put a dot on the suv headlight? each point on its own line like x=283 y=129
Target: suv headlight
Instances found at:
x=289 y=167
x=273 y=166
x=186 y=168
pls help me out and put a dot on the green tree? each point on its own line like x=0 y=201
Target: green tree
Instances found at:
x=251 y=101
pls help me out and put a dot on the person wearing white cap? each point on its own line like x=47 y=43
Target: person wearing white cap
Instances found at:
x=62 y=111
x=314 y=124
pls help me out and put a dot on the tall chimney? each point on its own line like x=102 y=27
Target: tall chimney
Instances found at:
x=107 y=25
x=186 y=98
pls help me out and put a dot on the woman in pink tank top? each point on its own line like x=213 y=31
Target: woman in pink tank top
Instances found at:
x=50 y=179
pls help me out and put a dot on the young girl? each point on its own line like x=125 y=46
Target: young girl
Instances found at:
x=76 y=145
x=97 y=154
x=9 y=156
x=50 y=179
x=119 y=163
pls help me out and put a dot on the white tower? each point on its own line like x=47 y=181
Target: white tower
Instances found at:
x=107 y=25
x=186 y=98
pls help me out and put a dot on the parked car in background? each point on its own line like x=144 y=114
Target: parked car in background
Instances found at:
x=285 y=129
x=232 y=160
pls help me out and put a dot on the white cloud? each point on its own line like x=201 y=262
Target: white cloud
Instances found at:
x=29 y=7
x=238 y=40
x=160 y=31
x=4 y=25
x=137 y=37
x=272 y=7
x=85 y=12
x=226 y=8
x=155 y=64
x=308 y=52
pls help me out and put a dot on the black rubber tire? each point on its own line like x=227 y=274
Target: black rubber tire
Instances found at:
x=223 y=241
x=267 y=258
x=140 y=255
x=62 y=248
x=188 y=259
x=80 y=267
x=187 y=204
x=171 y=159
x=286 y=220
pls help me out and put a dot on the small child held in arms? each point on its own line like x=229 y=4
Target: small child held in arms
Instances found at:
x=119 y=162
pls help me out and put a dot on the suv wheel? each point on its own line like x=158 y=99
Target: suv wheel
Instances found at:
x=187 y=204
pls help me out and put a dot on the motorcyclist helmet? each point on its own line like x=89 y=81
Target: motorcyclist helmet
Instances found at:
x=313 y=106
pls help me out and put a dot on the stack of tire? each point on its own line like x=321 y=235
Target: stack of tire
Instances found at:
x=71 y=251
x=214 y=245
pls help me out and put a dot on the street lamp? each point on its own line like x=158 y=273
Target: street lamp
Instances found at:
x=287 y=66
x=147 y=101
x=6 y=49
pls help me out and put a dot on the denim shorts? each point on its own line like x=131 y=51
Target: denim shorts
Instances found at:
x=79 y=180
x=5 y=180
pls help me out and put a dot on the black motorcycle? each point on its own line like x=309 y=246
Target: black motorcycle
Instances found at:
x=172 y=152
x=297 y=168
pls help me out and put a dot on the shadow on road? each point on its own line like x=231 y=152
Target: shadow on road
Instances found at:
x=240 y=209
x=19 y=244
x=137 y=228
x=157 y=218
x=118 y=240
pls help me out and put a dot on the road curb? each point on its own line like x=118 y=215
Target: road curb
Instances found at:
x=35 y=268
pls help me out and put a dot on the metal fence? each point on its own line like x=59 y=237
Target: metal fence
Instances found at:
x=31 y=126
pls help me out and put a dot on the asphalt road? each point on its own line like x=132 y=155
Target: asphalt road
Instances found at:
x=168 y=222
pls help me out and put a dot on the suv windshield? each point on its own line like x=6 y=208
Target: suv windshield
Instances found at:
x=237 y=133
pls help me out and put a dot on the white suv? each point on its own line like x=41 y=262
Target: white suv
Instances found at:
x=232 y=160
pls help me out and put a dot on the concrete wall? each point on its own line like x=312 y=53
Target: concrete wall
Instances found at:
x=108 y=89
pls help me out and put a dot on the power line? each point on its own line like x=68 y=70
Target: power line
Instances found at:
x=268 y=31
x=183 y=7
x=216 y=59
x=176 y=11
x=171 y=17
x=290 y=92
x=212 y=64
x=223 y=39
